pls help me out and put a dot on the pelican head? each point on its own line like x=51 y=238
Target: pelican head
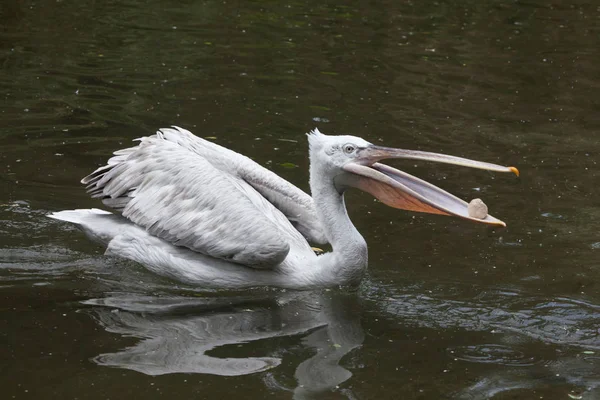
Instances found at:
x=353 y=162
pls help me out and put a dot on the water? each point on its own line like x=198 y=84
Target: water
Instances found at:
x=448 y=309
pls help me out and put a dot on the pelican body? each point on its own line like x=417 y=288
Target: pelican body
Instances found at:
x=194 y=211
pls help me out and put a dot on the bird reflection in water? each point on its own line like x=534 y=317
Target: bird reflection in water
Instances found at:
x=178 y=333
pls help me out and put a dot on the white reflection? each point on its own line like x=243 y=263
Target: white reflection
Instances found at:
x=180 y=334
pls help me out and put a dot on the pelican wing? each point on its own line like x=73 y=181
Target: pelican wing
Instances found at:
x=294 y=203
x=183 y=197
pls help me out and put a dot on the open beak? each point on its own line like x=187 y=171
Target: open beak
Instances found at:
x=401 y=190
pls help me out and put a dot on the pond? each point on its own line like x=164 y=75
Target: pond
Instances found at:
x=448 y=309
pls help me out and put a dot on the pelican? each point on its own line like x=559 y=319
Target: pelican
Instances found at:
x=191 y=210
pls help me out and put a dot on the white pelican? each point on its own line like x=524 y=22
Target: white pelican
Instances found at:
x=205 y=215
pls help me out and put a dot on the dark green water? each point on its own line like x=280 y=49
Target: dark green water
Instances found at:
x=449 y=310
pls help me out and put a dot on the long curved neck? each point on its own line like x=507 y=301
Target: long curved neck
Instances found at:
x=349 y=257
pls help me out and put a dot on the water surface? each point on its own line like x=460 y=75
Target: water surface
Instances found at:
x=448 y=309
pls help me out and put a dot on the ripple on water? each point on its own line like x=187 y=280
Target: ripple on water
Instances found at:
x=491 y=354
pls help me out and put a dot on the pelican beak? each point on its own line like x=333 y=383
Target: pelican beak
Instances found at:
x=401 y=190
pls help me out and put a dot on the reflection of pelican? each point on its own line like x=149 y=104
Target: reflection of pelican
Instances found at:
x=203 y=214
x=182 y=334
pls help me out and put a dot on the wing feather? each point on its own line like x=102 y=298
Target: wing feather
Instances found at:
x=294 y=203
x=180 y=196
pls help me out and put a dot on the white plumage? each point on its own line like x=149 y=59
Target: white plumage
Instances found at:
x=197 y=212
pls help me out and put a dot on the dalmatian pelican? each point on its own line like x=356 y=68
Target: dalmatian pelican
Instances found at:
x=194 y=211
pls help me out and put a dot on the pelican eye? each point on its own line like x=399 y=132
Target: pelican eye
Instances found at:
x=349 y=148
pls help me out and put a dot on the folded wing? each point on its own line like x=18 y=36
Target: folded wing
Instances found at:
x=294 y=203
x=180 y=195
